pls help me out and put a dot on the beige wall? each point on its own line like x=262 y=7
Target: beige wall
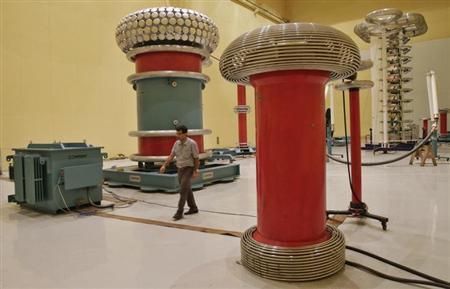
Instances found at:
x=64 y=78
x=338 y=11
x=430 y=55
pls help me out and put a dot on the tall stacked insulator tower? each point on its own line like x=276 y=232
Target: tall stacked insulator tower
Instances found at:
x=388 y=31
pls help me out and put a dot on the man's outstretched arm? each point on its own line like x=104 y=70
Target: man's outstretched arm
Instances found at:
x=166 y=163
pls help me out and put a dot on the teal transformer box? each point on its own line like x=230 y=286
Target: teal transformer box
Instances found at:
x=57 y=176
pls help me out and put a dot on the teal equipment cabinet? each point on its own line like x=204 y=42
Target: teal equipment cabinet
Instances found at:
x=57 y=176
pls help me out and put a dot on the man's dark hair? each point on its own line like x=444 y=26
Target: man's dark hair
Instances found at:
x=181 y=128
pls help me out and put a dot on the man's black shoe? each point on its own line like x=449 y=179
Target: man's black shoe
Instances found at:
x=191 y=211
x=177 y=217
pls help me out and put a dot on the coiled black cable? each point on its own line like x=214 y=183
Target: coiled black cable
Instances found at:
x=418 y=146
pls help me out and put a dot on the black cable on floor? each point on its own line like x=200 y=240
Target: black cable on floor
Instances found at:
x=108 y=206
x=380 y=163
x=394 y=278
x=122 y=198
x=400 y=266
x=434 y=281
x=346 y=150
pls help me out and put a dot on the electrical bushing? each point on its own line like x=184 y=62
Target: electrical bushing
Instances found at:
x=168 y=46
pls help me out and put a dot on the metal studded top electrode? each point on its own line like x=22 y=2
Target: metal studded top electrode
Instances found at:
x=391 y=21
x=167 y=26
x=291 y=46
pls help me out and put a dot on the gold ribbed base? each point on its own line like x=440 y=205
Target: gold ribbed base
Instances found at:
x=294 y=264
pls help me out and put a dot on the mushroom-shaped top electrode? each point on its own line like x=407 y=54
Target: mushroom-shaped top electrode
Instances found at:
x=291 y=46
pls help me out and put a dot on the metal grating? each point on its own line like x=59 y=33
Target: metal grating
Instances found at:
x=39 y=179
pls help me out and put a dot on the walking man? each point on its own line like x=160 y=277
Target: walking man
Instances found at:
x=186 y=152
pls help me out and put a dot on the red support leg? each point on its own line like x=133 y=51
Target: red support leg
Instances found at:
x=357 y=207
x=424 y=127
x=443 y=121
x=355 y=133
x=242 y=117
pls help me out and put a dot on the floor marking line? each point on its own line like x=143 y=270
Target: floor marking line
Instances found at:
x=171 y=225
x=208 y=230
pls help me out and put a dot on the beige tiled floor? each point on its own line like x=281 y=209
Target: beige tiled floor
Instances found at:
x=63 y=251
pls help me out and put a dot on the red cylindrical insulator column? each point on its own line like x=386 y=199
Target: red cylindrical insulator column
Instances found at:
x=443 y=121
x=168 y=60
x=291 y=157
x=355 y=133
x=424 y=127
x=291 y=241
x=155 y=146
x=242 y=117
x=162 y=146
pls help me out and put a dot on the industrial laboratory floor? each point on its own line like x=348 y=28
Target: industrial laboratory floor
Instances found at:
x=70 y=251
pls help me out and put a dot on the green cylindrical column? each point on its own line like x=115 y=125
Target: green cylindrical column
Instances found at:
x=165 y=102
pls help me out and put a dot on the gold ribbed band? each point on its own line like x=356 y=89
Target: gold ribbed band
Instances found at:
x=294 y=264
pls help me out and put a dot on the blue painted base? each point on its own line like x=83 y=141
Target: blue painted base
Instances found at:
x=444 y=138
x=154 y=181
x=407 y=146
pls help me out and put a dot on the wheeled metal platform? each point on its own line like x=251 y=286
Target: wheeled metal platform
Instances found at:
x=237 y=151
x=403 y=146
x=149 y=181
